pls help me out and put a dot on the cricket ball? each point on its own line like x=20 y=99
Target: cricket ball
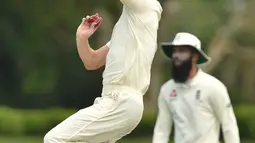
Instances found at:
x=93 y=19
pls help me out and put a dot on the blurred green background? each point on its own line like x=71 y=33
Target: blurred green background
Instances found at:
x=43 y=81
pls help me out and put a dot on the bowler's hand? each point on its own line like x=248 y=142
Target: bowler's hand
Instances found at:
x=88 y=26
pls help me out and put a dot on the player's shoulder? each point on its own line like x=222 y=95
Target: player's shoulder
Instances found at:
x=165 y=88
x=143 y=5
x=158 y=6
x=153 y=6
x=212 y=81
x=168 y=84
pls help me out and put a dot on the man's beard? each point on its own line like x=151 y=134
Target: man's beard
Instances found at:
x=181 y=72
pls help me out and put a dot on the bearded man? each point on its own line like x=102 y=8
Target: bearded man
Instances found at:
x=196 y=103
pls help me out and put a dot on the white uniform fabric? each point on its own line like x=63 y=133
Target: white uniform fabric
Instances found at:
x=197 y=110
x=125 y=80
x=111 y=117
x=133 y=45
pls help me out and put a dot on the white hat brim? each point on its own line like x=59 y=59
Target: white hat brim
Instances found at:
x=167 y=49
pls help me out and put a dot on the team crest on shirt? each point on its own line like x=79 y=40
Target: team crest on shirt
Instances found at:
x=173 y=93
x=198 y=94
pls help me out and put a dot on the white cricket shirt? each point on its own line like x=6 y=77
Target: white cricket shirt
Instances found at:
x=196 y=109
x=133 y=45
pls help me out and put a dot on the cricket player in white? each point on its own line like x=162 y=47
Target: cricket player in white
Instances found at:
x=196 y=103
x=127 y=58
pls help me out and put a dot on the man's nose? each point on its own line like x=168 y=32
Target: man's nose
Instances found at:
x=175 y=55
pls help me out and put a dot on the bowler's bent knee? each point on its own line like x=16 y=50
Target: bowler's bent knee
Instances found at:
x=52 y=138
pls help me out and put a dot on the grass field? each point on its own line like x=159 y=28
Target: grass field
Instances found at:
x=40 y=140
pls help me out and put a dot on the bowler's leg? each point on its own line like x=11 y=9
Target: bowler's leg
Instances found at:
x=107 y=121
x=69 y=130
x=74 y=128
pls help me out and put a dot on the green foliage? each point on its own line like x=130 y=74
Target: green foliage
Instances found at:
x=202 y=18
x=39 y=56
x=20 y=122
x=29 y=139
x=38 y=122
x=40 y=66
x=246 y=120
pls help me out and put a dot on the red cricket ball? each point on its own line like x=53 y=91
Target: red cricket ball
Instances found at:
x=93 y=19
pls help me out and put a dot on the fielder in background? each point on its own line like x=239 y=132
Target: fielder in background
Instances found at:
x=196 y=103
x=127 y=58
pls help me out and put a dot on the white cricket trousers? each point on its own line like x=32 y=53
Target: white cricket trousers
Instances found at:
x=110 y=118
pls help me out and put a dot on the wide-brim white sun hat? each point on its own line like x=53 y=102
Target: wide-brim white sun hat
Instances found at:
x=186 y=39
